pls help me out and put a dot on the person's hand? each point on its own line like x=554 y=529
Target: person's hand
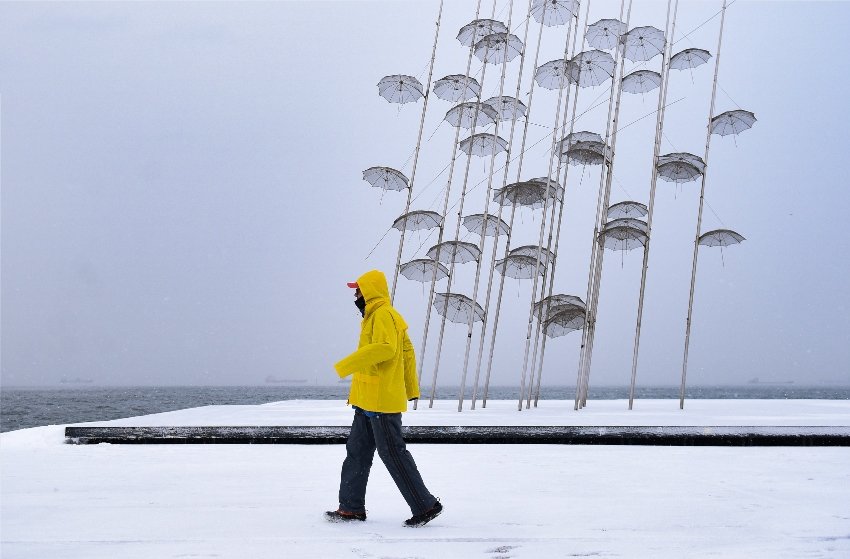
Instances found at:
x=412 y=399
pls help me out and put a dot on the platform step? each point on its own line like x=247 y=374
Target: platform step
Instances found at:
x=584 y=435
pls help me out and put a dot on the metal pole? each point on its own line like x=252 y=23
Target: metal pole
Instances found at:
x=659 y=126
x=484 y=222
x=554 y=253
x=457 y=229
x=416 y=152
x=513 y=212
x=699 y=214
x=601 y=206
x=543 y=219
x=501 y=208
x=443 y=223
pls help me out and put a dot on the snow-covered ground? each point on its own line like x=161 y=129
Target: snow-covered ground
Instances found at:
x=152 y=501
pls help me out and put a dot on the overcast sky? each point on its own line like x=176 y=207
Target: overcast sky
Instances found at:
x=182 y=200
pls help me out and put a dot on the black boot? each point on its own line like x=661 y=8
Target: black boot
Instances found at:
x=418 y=520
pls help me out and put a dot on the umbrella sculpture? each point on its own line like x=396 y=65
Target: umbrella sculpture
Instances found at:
x=628 y=222
x=400 y=89
x=587 y=153
x=689 y=58
x=526 y=193
x=581 y=136
x=732 y=122
x=680 y=167
x=454 y=251
x=605 y=33
x=498 y=47
x=552 y=304
x=519 y=266
x=643 y=43
x=474 y=31
x=507 y=108
x=474 y=223
x=546 y=255
x=385 y=178
x=456 y=87
x=720 y=238
x=458 y=308
x=471 y=114
x=417 y=220
x=482 y=144
x=641 y=81
x=554 y=12
x=423 y=269
x=591 y=68
x=564 y=321
x=622 y=237
x=627 y=209
x=553 y=74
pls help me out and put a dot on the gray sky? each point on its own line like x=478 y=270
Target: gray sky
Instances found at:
x=182 y=199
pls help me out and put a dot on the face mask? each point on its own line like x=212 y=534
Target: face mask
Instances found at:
x=360 y=303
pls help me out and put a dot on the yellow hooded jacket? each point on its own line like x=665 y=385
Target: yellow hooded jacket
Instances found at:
x=384 y=366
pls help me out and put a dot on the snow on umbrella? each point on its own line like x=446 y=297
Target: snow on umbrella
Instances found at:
x=641 y=81
x=474 y=222
x=689 y=58
x=385 y=178
x=417 y=220
x=423 y=269
x=591 y=68
x=457 y=251
x=622 y=238
x=627 y=209
x=456 y=87
x=554 y=74
x=720 y=238
x=732 y=122
x=587 y=153
x=473 y=32
x=554 y=12
x=564 y=321
x=552 y=304
x=400 y=89
x=605 y=33
x=467 y=115
x=458 y=308
x=546 y=255
x=483 y=144
x=508 y=108
x=519 y=266
x=496 y=48
x=643 y=43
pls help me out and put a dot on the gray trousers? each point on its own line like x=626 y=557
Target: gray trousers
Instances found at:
x=383 y=431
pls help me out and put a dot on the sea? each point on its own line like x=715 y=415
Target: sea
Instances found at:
x=23 y=407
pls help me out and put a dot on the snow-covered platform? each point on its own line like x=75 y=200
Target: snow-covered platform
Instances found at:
x=653 y=422
x=518 y=501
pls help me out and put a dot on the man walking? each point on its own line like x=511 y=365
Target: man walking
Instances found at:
x=384 y=370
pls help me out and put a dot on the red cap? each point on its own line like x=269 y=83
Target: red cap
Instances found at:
x=353 y=285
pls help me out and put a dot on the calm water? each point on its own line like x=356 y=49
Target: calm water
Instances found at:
x=31 y=407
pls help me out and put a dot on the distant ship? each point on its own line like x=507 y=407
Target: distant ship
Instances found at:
x=755 y=380
x=75 y=380
x=274 y=380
